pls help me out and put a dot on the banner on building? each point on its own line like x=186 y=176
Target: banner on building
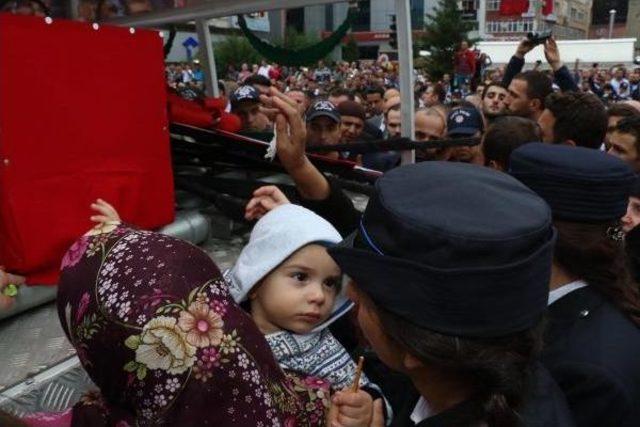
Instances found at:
x=518 y=7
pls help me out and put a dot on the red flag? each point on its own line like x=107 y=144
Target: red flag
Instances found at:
x=547 y=9
x=515 y=7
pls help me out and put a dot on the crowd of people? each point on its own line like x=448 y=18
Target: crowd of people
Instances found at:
x=360 y=101
x=492 y=283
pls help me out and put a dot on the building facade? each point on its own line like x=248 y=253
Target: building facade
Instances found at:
x=371 y=28
x=570 y=19
x=633 y=22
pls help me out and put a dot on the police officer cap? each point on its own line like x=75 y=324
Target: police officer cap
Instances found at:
x=454 y=248
x=580 y=184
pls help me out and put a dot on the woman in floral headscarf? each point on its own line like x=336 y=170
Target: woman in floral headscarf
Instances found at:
x=158 y=333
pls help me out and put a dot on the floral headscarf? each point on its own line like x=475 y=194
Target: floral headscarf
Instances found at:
x=157 y=331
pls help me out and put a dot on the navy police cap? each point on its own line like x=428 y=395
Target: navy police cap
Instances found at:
x=454 y=248
x=580 y=184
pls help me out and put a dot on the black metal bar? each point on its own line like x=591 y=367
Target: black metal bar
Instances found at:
x=395 y=144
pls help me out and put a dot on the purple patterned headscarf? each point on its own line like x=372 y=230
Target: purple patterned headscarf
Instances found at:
x=157 y=331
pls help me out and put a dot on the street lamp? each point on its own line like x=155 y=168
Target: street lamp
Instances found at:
x=612 y=18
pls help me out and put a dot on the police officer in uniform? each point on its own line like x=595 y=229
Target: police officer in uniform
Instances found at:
x=450 y=267
x=592 y=346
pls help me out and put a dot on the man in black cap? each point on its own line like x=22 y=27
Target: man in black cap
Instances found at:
x=323 y=125
x=593 y=338
x=352 y=117
x=245 y=103
x=465 y=122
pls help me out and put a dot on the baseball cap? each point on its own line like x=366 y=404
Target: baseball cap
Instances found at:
x=245 y=93
x=322 y=108
x=465 y=121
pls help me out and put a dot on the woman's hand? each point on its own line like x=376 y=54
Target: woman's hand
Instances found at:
x=263 y=201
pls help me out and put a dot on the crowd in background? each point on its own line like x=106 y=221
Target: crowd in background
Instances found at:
x=610 y=84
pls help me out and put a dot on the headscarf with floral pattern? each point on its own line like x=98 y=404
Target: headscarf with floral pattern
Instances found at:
x=157 y=331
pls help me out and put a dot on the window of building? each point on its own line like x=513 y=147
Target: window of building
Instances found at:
x=417 y=14
x=468 y=6
x=516 y=26
x=328 y=17
x=362 y=21
x=493 y=5
x=295 y=19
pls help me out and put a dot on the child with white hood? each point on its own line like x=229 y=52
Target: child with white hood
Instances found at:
x=294 y=291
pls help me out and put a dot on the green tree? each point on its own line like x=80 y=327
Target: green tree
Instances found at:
x=294 y=40
x=234 y=50
x=444 y=31
x=350 y=50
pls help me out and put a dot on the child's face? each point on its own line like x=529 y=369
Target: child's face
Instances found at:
x=299 y=294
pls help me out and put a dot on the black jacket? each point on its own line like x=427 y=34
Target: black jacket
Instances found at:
x=338 y=209
x=593 y=353
x=562 y=76
x=545 y=407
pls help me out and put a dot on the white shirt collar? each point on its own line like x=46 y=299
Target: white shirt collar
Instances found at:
x=421 y=411
x=563 y=290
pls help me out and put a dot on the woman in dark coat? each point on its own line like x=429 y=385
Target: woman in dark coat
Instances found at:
x=592 y=346
x=452 y=298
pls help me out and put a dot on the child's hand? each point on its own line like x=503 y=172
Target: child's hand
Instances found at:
x=264 y=200
x=351 y=409
x=106 y=211
x=377 y=420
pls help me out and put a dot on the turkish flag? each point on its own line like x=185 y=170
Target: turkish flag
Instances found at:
x=547 y=9
x=77 y=130
x=515 y=7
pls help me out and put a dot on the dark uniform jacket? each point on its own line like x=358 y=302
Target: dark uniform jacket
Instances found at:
x=593 y=352
x=546 y=407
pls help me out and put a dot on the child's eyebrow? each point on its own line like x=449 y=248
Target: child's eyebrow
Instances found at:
x=298 y=267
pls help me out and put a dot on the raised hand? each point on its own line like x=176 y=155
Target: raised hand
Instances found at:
x=524 y=47
x=291 y=133
x=552 y=53
x=264 y=200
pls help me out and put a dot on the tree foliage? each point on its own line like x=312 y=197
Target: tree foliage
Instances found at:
x=234 y=50
x=444 y=31
x=295 y=40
